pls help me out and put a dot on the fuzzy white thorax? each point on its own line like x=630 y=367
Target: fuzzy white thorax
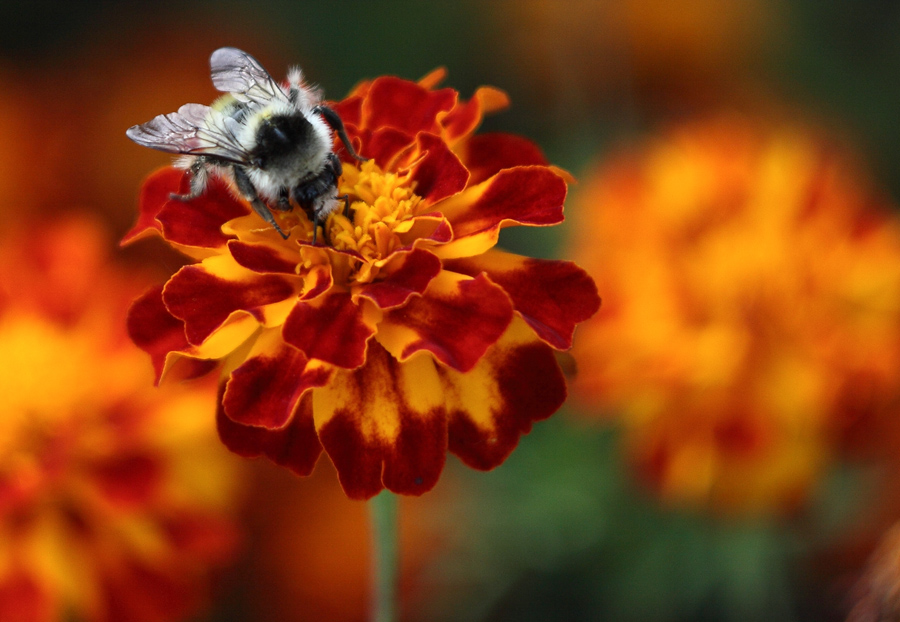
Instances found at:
x=269 y=184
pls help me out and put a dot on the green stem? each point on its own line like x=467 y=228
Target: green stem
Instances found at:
x=383 y=514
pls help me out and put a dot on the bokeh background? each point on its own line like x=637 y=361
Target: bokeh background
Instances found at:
x=569 y=528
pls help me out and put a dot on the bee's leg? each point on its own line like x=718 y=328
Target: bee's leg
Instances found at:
x=199 y=178
x=337 y=168
x=333 y=120
x=245 y=187
x=346 y=199
x=336 y=165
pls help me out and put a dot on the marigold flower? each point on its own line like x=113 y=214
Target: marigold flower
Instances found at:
x=114 y=497
x=753 y=316
x=406 y=333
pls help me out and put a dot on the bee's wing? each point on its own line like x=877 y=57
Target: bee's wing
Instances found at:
x=194 y=130
x=236 y=72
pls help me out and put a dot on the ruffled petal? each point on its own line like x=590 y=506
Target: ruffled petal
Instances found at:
x=198 y=222
x=465 y=117
x=263 y=258
x=251 y=228
x=433 y=78
x=194 y=223
x=220 y=348
x=439 y=173
x=552 y=296
x=485 y=155
x=517 y=383
x=295 y=446
x=384 y=425
x=268 y=385
x=406 y=274
x=427 y=230
x=317 y=281
x=404 y=105
x=154 y=194
x=206 y=294
x=525 y=195
x=329 y=328
x=157 y=332
x=457 y=319
x=385 y=145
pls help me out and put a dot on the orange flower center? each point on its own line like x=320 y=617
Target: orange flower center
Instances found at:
x=382 y=206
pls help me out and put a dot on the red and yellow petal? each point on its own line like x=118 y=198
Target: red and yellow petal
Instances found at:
x=515 y=384
x=158 y=333
x=384 y=425
x=263 y=258
x=193 y=224
x=198 y=222
x=404 y=105
x=330 y=328
x=295 y=446
x=525 y=195
x=266 y=388
x=485 y=155
x=432 y=78
x=205 y=295
x=439 y=173
x=317 y=280
x=466 y=117
x=154 y=195
x=405 y=274
x=552 y=296
x=457 y=319
x=223 y=347
x=385 y=146
x=426 y=230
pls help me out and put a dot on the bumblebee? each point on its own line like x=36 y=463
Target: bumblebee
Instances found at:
x=273 y=143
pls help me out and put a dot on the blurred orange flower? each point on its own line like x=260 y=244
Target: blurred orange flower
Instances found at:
x=751 y=326
x=406 y=334
x=113 y=494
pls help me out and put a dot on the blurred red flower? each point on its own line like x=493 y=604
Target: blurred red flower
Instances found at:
x=751 y=329
x=114 y=496
x=405 y=335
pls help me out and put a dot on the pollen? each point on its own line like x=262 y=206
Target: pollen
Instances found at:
x=381 y=204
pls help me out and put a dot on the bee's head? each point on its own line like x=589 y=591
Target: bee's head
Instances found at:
x=283 y=139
